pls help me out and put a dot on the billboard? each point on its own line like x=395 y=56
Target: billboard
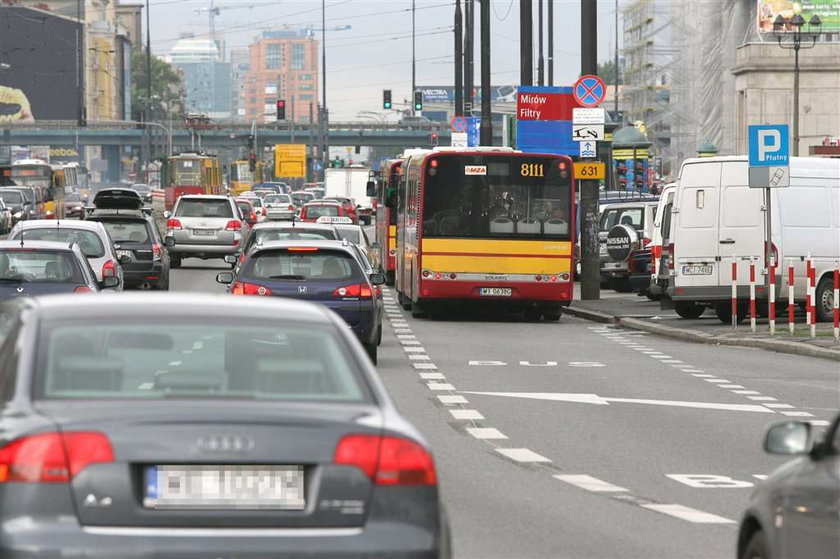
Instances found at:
x=827 y=10
x=446 y=94
x=38 y=66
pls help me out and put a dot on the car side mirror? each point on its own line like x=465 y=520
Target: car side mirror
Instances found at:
x=124 y=259
x=167 y=214
x=169 y=241
x=377 y=278
x=225 y=278
x=789 y=438
x=371 y=189
x=109 y=282
x=375 y=245
x=231 y=258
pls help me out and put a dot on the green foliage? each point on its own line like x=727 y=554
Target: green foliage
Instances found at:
x=166 y=84
x=606 y=71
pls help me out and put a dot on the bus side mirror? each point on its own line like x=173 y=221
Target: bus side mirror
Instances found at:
x=371 y=189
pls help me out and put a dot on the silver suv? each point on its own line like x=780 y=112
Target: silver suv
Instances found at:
x=204 y=227
x=625 y=228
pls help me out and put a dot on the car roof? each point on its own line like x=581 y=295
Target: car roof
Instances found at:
x=325 y=244
x=165 y=306
x=321 y=203
x=204 y=197
x=35 y=245
x=59 y=224
x=302 y=225
x=635 y=204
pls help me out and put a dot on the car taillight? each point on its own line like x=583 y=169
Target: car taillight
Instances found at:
x=291 y=207
x=83 y=289
x=233 y=225
x=387 y=460
x=264 y=212
x=157 y=252
x=173 y=223
x=361 y=290
x=253 y=217
x=244 y=288
x=109 y=269
x=52 y=457
x=645 y=242
x=671 y=256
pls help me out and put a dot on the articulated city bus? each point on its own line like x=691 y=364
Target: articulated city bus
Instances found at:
x=36 y=174
x=486 y=226
x=190 y=173
x=241 y=177
x=386 y=215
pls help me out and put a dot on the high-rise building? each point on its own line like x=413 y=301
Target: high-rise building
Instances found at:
x=240 y=63
x=283 y=65
x=207 y=79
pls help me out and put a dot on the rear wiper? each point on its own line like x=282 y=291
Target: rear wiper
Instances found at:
x=288 y=277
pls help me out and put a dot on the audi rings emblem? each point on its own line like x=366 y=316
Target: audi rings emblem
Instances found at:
x=226 y=443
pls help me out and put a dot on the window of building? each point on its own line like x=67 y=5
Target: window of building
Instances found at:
x=306 y=86
x=304 y=97
x=298 y=56
x=274 y=57
x=304 y=77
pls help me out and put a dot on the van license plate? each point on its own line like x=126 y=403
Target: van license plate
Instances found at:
x=203 y=232
x=495 y=291
x=697 y=270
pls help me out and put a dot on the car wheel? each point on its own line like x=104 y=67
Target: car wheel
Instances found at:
x=371 y=350
x=174 y=261
x=824 y=299
x=757 y=547
x=688 y=309
x=379 y=336
x=621 y=285
x=723 y=311
x=162 y=284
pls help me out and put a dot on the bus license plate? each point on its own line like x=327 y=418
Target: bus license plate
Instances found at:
x=697 y=270
x=495 y=291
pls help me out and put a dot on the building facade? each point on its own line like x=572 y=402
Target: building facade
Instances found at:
x=207 y=79
x=240 y=63
x=283 y=65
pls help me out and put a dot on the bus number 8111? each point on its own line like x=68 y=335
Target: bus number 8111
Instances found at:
x=532 y=170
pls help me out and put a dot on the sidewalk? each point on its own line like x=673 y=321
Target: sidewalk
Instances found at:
x=639 y=313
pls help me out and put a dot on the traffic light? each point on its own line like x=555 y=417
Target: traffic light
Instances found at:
x=621 y=174
x=386 y=98
x=434 y=138
x=418 y=100
x=281 y=109
x=639 y=175
x=250 y=141
x=252 y=162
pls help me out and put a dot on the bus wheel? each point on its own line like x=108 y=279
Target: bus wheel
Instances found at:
x=552 y=313
x=532 y=314
x=389 y=278
x=416 y=310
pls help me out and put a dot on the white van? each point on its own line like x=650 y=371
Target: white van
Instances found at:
x=660 y=242
x=717 y=217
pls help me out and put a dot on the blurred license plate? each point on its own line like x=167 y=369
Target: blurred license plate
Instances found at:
x=224 y=487
x=204 y=232
x=495 y=291
x=121 y=253
x=697 y=270
x=602 y=250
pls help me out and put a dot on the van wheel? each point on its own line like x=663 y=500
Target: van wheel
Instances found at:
x=723 y=311
x=824 y=299
x=688 y=309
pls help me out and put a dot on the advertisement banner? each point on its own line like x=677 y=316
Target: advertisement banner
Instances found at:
x=38 y=66
x=827 y=10
x=446 y=94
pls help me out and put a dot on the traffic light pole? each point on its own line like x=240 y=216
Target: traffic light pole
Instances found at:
x=469 y=40
x=486 y=122
x=459 y=59
x=590 y=280
x=526 y=42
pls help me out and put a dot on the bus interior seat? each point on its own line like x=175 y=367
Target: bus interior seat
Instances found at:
x=449 y=226
x=501 y=225
x=528 y=226
x=555 y=226
x=430 y=227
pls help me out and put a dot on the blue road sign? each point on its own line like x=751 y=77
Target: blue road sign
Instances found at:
x=458 y=124
x=473 y=131
x=769 y=145
x=589 y=91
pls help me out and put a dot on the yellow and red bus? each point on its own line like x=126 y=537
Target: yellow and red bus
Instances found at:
x=241 y=177
x=190 y=173
x=386 y=215
x=487 y=226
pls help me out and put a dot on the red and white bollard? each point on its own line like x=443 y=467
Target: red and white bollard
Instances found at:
x=810 y=282
x=837 y=302
x=734 y=292
x=791 y=306
x=771 y=311
x=752 y=293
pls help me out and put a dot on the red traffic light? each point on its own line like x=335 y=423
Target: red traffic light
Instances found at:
x=281 y=109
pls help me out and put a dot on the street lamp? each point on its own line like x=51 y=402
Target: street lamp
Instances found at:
x=792 y=27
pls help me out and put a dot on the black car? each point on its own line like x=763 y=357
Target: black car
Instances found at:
x=35 y=268
x=326 y=272
x=176 y=426
x=17 y=203
x=137 y=239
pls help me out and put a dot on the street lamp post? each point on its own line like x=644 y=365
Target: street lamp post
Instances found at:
x=781 y=25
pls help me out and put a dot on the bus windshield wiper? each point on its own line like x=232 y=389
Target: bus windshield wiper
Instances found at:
x=288 y=277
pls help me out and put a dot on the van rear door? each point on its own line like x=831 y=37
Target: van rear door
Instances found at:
x=695 y=230
x=741 y=224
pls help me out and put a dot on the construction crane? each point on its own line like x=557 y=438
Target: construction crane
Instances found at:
x=213 y=10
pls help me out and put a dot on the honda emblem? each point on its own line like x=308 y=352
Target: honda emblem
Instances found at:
x=301 y=289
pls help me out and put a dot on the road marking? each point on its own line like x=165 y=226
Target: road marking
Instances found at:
x=175 y=363
x=797 y=414
x=702 y=375
x=522 y=455
x=432 y=376
x=425 y=366
x=731 y=386
x=467 y=415
x=407 y=336
x=746 y=392
x=671 y=361
x=486 y=433
x=452 y=399
x=589 y=364
x=718 y=380
x=780 y=406
x=661 y=357
x=414 y=349
x=198 y=345
x=440 y=386
x=546 y=364
x=401 y=331
x=409 y=342
x=487 y=363
x=761 y=398
x=598 y=400
x=709 y=481
x=418 y=357
x=146 y=386
x=687 y=513
x=693 y=370
x=186 y=352
x=590 y=483
x=820 y=423
x=762 y=477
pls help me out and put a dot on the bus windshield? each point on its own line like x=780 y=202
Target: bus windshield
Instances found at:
x=240 y=172
x=485 y=196
x=185 y=172
x=39 y=176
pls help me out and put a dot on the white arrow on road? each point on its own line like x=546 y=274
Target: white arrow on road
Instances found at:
x=602 y=401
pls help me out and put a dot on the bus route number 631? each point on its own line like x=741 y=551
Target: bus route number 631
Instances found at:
x=589 y=170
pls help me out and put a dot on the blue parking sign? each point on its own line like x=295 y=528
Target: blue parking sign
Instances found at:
x=769 y=145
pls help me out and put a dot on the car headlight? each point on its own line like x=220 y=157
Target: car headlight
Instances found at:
x=19 y=215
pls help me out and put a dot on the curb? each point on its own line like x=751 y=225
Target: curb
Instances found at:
x=779 y=346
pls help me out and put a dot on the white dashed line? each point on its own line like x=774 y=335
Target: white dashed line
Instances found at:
x=693 y=370
x=452 y=399
x=407 y=336
x=175 y=363
x=425 y=366
x=797 y=414
x=671 y=361
x=146 y=386
x=522 y=455
x=418 y=357
x=440 y=386
x=718 y=380
x=746 y=392
x=687 y=513
x=186 y=352
x=467 y=415
x=432 y=376
x=761 y=398
x=414 y=349
x=779 y=406
x=198 y=345
x=409 y=342
x=590 y=483
x=486 y=433
x=702 y=375
x=731 y=386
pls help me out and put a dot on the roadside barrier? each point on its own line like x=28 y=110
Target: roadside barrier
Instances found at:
x=812 y=290
x=837 y=302
x=752 y=293
x=771 y=313
x=734 y=292
x=791 y=323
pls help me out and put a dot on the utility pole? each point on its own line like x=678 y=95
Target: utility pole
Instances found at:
x=486 y=132
x=80 y=62
x=526 y=42
x=469 y=49
x=148 y=132
x=540 y=60
x=459 y=59
x=550 y=42
x=324 y=114
x=615 y=72
x=590 y=281
x=413 y=61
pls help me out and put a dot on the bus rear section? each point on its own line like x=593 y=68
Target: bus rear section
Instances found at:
x=190 y=174
x=241 y=177
x=386 y=217
x=491 y=229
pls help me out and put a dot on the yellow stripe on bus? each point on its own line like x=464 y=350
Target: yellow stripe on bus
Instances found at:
x=490 y=246
x=496 y=265
x=500 y=257
x=392 y=237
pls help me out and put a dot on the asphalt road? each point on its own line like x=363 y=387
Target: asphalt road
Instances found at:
x=574 y=439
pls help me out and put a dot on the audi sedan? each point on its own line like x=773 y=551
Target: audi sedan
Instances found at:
x=203 y=426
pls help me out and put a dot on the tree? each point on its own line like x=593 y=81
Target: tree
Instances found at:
x=606 y=71
x=167 y=84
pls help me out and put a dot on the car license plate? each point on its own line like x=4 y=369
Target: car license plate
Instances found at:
x=224 y=487
x=203 y=232
x=495 y=291
x=602 y=250
x=691 y=270
x=128 y=253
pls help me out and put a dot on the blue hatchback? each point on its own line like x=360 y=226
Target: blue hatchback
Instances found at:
x=326 y=272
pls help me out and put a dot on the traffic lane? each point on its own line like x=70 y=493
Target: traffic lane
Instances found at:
x=501 y=508
x=198 y=275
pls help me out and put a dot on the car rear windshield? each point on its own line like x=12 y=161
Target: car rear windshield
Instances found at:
x=623 y=216
x=301 y=197
x=302 y=264
x=266 y=235
x=244 y=208
x=278 y=199
x=11 y=196
x=39 y=266
x=314 y=212
x=204 y=208
x=88 y=241
x=352 y=234
x=195 y=358
x=127 y=231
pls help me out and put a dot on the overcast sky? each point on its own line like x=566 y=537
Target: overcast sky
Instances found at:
x=375 y=53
